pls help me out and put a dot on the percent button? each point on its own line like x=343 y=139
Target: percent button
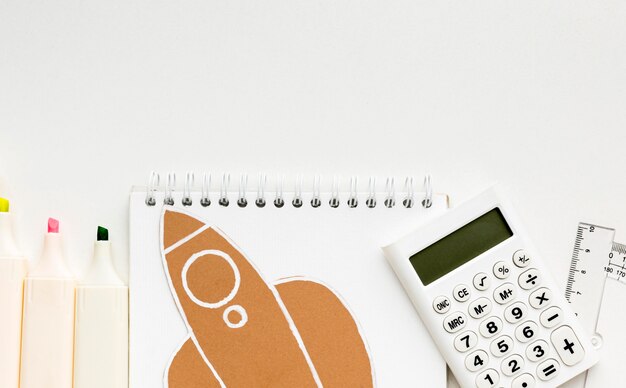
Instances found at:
x=501 y=270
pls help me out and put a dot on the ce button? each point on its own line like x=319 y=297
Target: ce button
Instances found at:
x=461 y=293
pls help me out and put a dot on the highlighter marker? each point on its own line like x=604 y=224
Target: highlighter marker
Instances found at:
x=13 y=267
x=48 y=323
x=101 y=346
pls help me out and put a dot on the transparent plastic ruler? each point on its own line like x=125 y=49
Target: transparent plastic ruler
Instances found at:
x=595 y=258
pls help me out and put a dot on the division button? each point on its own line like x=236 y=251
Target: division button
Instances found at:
x=521 y=259
x=481 y=281
x=461 y=293
x=454 y=322
x=548 y=369
x=551 y=317
x=504 y=294
x=441 y=304
x=523 y=381
x=465 y=341
x=529 y=279
x=479 y=308
x=540 y=298
x=501 y=270
x=567 y=345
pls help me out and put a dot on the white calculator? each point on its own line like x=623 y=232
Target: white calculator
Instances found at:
x=488 y=300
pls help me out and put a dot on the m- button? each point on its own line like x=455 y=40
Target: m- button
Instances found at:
x=454 y=322
x=461 y=293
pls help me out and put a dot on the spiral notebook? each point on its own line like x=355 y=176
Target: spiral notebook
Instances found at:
x=259 y=285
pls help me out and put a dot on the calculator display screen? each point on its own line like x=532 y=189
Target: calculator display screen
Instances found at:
x=460 y=246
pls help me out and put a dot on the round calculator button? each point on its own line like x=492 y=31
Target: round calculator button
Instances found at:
x=540 y=298
x=487 y=379
x=526 y=331
x=529 y=279
x=501 y=346
x=454 y=322
x=551 y=317
x=504 y=294
x=521 y=259
x=537 y=350
x=512 y=365
x=523 y=381
x=515 y=312
x=479 y=308
x=501 y=270
x=481 y=281
x=465 y=341
x=461 y=293
x=548 y=369
x=490 y=327
x=441 y=304
x=476 y=360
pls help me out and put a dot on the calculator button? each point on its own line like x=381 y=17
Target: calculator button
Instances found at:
x=441 y=304
x=461 y=293
x=523 y=381
x=540 y=298
x=521 y=259
x=490 y=327
x=548 y=369
x=504 y=294
x=551 y=317
x=537 y=350
x=526 y=331
x=481 y=281
x=476 y=360
x=465 y=341
x=479 y=308
x=511 y=365
x=515 y=312
x=567 y=345
x=454 y=322
x=487 y=379
x=529 y=279
x=501 y=346
x=501 y=270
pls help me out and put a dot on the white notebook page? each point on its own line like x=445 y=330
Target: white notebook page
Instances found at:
x=338 y=246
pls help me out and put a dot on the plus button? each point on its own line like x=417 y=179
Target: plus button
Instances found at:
x=569 y=346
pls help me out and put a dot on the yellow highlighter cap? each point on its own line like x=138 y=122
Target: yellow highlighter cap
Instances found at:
x=4 y=205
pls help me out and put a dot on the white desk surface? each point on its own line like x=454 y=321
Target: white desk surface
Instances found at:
x=94 y=95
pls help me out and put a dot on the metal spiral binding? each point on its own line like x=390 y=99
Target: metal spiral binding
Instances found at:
x=153 y=185
x=260 y=196
x=390 y=200
x=279 y=201
x=223 y=200
x=189 y=181
x=169 y=189
x=243 y=185
x=205 y=200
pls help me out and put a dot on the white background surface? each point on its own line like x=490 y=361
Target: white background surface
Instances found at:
x=93 y=95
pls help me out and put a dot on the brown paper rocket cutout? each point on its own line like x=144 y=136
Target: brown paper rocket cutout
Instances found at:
x=246 y=332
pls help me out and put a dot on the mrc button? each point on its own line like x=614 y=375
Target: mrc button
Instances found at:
x=454 y=322
x=441 y=304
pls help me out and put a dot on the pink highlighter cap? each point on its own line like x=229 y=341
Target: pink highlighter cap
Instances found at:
x=53 y=225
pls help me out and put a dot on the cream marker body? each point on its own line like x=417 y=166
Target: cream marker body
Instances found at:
x=101 y=346
x=13 y=267
x=48 y=326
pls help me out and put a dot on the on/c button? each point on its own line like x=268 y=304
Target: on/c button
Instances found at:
x=441 y=304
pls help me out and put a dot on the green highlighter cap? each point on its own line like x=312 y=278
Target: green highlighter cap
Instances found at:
x=103 y=233
x=4 y=205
